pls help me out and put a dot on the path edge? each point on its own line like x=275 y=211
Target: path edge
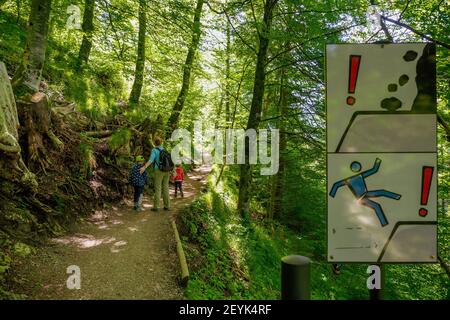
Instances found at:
x=181 y=256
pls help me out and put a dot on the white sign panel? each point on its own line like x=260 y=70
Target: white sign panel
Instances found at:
x=381 y=153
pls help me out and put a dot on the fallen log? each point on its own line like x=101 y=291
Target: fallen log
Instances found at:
x=181 y=256
x=99 y=134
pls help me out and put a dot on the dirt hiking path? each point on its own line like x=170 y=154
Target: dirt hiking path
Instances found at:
x=121 y=254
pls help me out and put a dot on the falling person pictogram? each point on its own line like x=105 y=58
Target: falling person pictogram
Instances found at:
x=357 y=186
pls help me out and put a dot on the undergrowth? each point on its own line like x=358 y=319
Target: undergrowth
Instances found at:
x=233 y=258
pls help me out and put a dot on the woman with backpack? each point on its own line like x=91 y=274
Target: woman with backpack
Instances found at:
x=161 y=162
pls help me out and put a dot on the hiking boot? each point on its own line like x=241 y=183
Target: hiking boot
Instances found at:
x=155 y=209
x=166 y=209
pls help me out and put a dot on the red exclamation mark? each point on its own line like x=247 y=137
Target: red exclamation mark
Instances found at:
x=353 y=76
x=427 y=175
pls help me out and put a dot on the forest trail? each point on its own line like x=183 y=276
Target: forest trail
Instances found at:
x=121 y=254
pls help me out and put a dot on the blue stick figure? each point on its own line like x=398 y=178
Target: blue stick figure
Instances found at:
x=357 y=185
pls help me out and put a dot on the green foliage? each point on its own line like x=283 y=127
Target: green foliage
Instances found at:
x=22 y=250
x=16 y=222
x=119 y=139
x=88 y=162
x=11 y=42
x=10 y=251
x=5 y=263
x=217 y=275
x=60 y=203
x=237 y=259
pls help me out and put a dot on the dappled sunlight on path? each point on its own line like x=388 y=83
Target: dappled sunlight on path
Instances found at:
x=121 y=254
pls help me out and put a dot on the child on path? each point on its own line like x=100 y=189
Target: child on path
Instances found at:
x=179 y=177
x=138 y=180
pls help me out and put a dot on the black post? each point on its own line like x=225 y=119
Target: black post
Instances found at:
x=377 y=294
x=295 y=278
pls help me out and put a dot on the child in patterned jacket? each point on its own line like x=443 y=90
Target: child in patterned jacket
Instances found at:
x=138 y=180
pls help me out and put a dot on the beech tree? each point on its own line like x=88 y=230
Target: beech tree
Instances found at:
x=140 y=56
x=88 y=32
x=30 y=70
x=254 y=117
x=172 y=123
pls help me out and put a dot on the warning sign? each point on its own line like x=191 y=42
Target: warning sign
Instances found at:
x=381 y=153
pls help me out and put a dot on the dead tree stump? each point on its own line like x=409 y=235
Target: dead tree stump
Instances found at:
x=36 y=118
x=12 y=167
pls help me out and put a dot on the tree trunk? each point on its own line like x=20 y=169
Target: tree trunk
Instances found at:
x=36 y=120
x=88 y=31
x=227 y=76
x=172 y=123
x=257 y=101
x=444 y=125
x=444 y=266
x=140 y=57
x=12 y=168
x=276 y=194
x=30 y=70
x=219 y=110
x=148 y=129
